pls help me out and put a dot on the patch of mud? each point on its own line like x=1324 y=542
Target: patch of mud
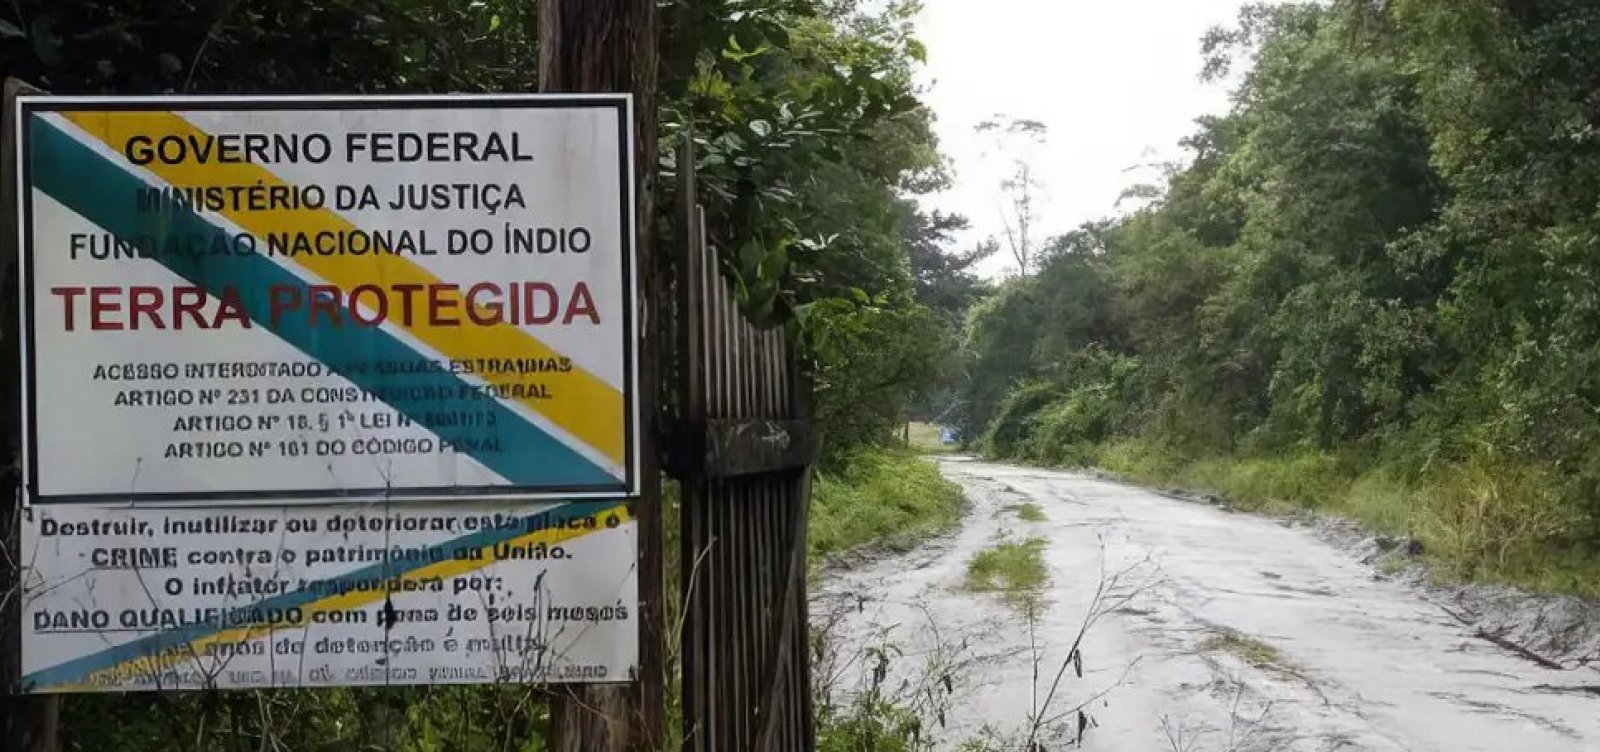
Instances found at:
x=1557 y=631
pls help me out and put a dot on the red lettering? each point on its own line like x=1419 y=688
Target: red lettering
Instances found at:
x=188 y=301
x=283 y=298
x=368 y=305
x=145 y=301
x=380 y=310
x=232 y=309
x=325 y=299
x=406 y=291
x=101 y=303
x=437 y=305
x=528 y=305
x=68 y=296
x=496 y=309
x=581 y=304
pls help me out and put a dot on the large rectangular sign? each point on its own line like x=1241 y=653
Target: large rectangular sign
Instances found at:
x=327 y=299
x=317 y=596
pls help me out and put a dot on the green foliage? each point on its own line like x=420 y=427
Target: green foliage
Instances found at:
x=870 y=723
x=810 y=140
x=808 y=126
x=881 y=497
x=1098 y=386
x=1490 y=517
x=1028 y=512
x=1014 y=571
x=158 y=46
x=941 y=280
x=1014 y=421
x=871 y=359
x=1388 y=248
x=1487 y=518
x=413 y=719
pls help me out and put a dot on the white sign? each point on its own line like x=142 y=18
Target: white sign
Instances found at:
x=146 y=599
x=327 y=299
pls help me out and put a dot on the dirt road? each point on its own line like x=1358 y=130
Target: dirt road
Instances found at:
x=1216 y=631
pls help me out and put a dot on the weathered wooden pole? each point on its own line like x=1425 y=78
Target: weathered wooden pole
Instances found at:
x=27 y=723
x=610 y=46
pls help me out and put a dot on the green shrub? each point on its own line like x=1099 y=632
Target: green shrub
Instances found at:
x=1495 y=517
x=1066 y=430
x=1013 y=422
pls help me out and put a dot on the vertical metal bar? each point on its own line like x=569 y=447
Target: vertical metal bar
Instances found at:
x=725 y=308
x=725 y=711
x=748 y=643
x=764 y=372
x=718 y=346
x=774 y=389
x=747 y=391
x=691 y=385
x=785 y=403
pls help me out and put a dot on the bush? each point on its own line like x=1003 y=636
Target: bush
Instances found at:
x=1494 y=517
x=1066 y=430
x=1013 y=423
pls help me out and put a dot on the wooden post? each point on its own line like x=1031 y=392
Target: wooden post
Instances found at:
x=27 y=723
x=610 y=46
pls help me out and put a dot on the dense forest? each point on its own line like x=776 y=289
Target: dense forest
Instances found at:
x=1373 y=290
x=812 y=147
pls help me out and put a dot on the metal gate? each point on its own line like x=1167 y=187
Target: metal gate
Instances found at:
x=741 y=451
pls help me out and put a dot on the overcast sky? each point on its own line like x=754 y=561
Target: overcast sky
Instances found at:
x=1116 y=81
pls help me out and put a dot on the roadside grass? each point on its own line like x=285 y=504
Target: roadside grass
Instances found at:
x=925 y=438
x=1027 y=511
x=885 y=497
x=1012 y=570
x=1485 y=519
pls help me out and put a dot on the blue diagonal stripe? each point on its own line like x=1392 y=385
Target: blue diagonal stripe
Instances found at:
x=77 y=669
x=103 y=192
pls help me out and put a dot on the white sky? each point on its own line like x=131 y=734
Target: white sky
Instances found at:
x=1116 y=81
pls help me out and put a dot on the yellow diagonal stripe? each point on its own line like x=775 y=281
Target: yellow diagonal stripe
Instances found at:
x=582 y=404
x=444 y=570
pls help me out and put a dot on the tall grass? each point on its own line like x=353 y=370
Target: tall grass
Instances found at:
x=886 y=497
x=1486 y=518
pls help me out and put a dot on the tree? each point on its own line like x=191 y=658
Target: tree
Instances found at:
x=1018 y=141
x=943 y=280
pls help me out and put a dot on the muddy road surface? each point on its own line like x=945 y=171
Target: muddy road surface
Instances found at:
x=1207 y=631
